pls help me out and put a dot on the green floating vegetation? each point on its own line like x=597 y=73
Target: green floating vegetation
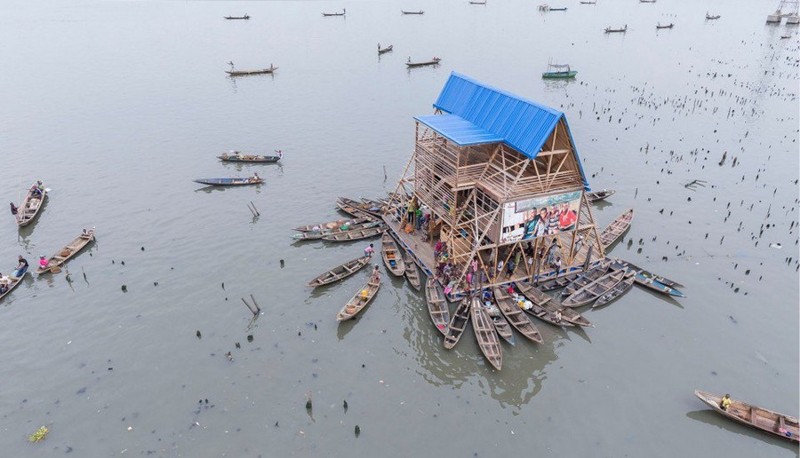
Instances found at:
x=39 y=435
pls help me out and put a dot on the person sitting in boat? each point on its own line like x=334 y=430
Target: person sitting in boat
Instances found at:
x=280 y=153
x=22 y=267
x=38 y=188
x=376 y=275
x=255 y=178
x=725 y=402
x=4 y=279
x=44 y=263
x=86 y=234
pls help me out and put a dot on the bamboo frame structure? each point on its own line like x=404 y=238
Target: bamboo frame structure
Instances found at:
x=466 y=188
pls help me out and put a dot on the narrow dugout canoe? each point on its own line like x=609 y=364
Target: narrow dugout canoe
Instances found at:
x=349 y=236
x=593 y=290
x=437 y=306
x=14 y=282
x=31 y=205
x=71 y=249
x=597 y=196
x=619 y=290
x=230 y=181
x=486 y=335
x=587 y=277
x=411 y=272
x=391 y=256
x=458 y=323
x=361 y=299
x=339 y=272
x=559 y=282
x=757 y=417
x=516 y=317
x=614 y=231
x=331 y=224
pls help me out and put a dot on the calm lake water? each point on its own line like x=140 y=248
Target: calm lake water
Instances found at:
x=119 y=105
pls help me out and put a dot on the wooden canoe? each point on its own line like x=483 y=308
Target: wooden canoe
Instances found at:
x=360 y=300
x=617 y=227
x=437 y=306
x=593 y=290
x=516 y=317
x=331 y=224
x=15 y=281
x=233 y=18
x=619 y=290
x=254 y=158
x=367 y=206
x=485 y=334
x=30 y=207
x=757 y=417
x=384 y=50
x=229 y=181
x=340 y=272
x=360 y=234
x=317 y=235
x=391 y=256
x=260 y=71
x=434 y=61
x=71 y=249
x=344 y=11
x=412 y=12
x=587 y=277
x=458 y=323
x=502 y=327
x=656 y=286
x=599 y=195
x=649 y=275
x=538 y=310
x=668 y=26
x=566 y=313
x=533 y=294
x=559 y=282
x=411 y=272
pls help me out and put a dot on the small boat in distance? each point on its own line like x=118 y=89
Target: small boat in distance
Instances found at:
x=647 y=1
x=710 y=17
x=412 y=12
x=757 y=417
x=556 y=71
x=233 y=18
x=344 y=11
x=236 y=156
x=434 y=61
x=255 y=179
x=584 y=2
x=477 y=3
x=558 y=9
x=668 y=26
x=384 y=50
x=263 y=71
x=622 y=30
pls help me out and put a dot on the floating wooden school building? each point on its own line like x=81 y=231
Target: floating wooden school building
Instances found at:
x=501 y=179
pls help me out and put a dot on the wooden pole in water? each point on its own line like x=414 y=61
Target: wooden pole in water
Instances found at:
x=255 y=303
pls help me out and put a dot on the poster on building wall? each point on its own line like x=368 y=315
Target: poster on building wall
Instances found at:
x=531 y=218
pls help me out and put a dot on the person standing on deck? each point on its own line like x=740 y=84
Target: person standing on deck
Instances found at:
x=558 y=266
x=510 y=268
x=579 y=244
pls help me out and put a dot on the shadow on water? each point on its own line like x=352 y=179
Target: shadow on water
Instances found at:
x=515 y=385
x=211 y=188
x=580 y=332
x=663 y=297
x=712 y=418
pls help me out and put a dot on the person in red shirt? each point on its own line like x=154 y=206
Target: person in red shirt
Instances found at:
x=567 y=218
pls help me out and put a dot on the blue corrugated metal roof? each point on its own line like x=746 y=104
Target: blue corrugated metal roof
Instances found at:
x=482 y=110
x=458 y=129
x=523 y=125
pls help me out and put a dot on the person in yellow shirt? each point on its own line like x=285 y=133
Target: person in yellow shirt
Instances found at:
x=725 y=402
